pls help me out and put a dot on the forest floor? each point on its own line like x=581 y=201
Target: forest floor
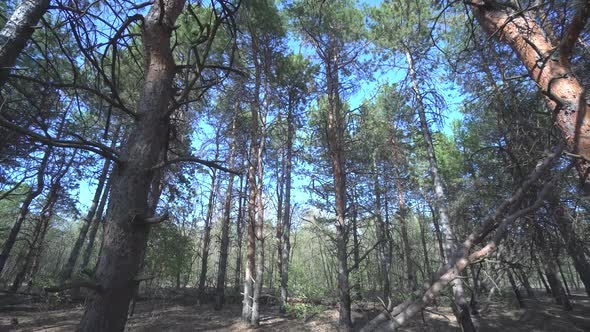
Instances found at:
x=165 y=314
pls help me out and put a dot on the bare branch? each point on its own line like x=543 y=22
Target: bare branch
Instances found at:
x=208 y=163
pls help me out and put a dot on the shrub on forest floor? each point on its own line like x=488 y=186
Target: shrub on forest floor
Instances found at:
x=304 y=310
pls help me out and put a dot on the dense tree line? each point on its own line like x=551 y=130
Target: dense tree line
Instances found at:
x=297 y=149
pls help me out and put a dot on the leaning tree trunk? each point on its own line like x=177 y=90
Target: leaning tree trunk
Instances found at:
x=24 y=209
x=222 y=271
x=127 y=225
x=549 y=66
x=460 y=307
x=16 y=33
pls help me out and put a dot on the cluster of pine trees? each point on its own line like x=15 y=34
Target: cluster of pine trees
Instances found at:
x=294 y=149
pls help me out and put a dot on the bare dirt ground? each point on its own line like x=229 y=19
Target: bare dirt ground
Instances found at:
x=540 y=314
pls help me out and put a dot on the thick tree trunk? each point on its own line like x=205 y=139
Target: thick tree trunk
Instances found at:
x=24 y=209
x=461 y=308
x=126 y=230
x=16 y=33
x=222 y=270
x=86 y=222
x=549 y=67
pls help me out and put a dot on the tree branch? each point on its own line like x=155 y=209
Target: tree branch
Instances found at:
x=573 y=31
x=97 y=148
x=208 y=163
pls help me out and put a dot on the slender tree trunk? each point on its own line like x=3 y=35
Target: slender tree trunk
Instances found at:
x=549 y=67
x=24 y=209
x=567 y=288
x=255 y=320
x=279 y=230
x=382 y=235
x=438 y=234
x=525 y=282
x=515 y=289
x=126 y=230
x=422 y=224
x=96 y=222
x=222 y=271
x=42 y=223
x=16 y=33
x=574 y=248
x=286 y=229
x=240 y=233
x=461 y=308
x=556 y=286
x=410 y=273
x=356 y=253
x=68 y=269
x=335 y=128
x=207 y=230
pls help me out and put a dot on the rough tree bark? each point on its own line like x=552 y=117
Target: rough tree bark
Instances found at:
x=548 y=63
x=127 y=226
x=16 y=33
x=460 y=307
